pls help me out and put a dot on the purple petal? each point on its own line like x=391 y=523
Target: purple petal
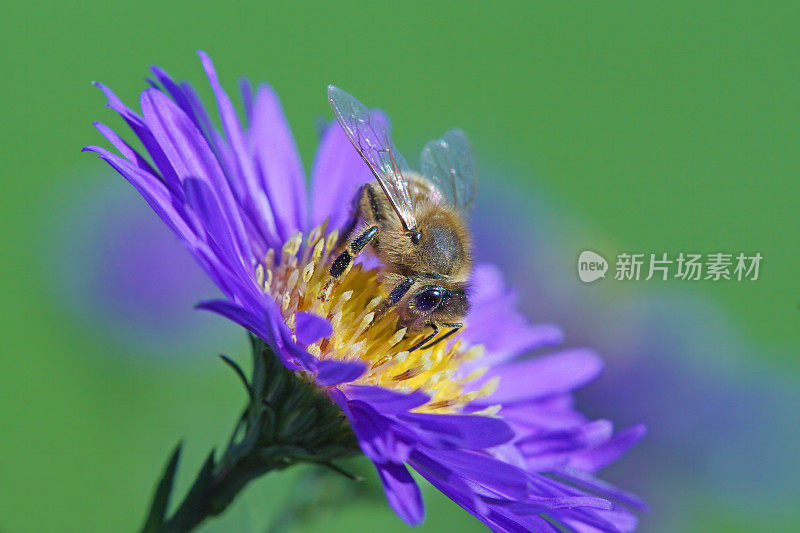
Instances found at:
x=155 y=193
x=251 y=190
x=449 y=484
x=125 y=149
x=535 y=504
x=601 y=519
x=190 y=155
x=402 y=492
x=278 y=162
x=501 y=522
x=171 y=213
x=286 y=344
x=498 y=477
x=553 y=412
x=218 y=144
x=246 y=90
x=341 y=400
x=309 y=328
x=459 y=431
x=137 y=124
x=546 y=451
x=256 y=324
x=608 y=452
x=177 y=94
x=386 y=401
x=260 y=324
x=612 y=520
x=600 y=487
x=332 y=373
x=543 y=376
x=204 y=202
x=566 y=440
x=376 y=433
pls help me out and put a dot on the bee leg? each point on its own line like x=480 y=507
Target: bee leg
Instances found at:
x=426 y=339
x=394 y=297
x=344 y=261
x=455 y=328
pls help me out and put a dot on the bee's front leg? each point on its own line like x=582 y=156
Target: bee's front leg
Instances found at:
x=341 y=265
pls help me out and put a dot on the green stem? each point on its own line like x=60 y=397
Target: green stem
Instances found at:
x=287 y=421
x=198 y=506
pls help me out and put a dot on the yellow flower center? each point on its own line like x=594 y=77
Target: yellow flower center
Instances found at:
x=298 y=280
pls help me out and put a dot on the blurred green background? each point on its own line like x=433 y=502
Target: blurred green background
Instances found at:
x=645 y=126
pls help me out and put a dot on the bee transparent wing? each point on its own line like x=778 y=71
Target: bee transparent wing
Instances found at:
x=370 y=137
x=450 y=165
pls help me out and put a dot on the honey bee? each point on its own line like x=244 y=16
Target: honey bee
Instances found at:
x=415 y=223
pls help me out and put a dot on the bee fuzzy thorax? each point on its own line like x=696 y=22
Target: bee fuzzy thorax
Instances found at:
x=297 y=278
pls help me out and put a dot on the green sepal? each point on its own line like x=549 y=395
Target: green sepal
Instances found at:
x=194 y=503
x=158 y=508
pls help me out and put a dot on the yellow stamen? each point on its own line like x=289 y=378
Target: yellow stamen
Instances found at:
x=301 y=282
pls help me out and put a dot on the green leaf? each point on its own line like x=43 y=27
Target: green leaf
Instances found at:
x=194 y=508
x=155 y=518
x=203 y=481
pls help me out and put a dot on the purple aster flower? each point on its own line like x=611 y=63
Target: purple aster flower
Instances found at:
x=496 y=434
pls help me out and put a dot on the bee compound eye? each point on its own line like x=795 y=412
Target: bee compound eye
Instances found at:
x=428 y=300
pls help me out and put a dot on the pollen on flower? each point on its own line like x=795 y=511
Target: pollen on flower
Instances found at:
x=299 y=281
